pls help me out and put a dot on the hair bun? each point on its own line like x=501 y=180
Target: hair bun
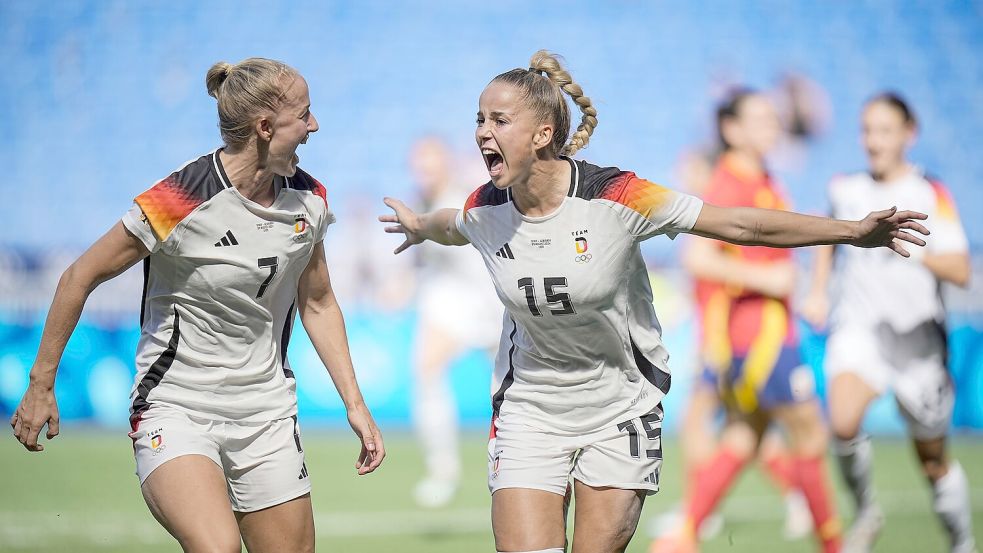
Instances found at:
x=216 y=76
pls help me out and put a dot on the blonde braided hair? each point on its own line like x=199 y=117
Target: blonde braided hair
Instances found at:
x=542 y=86
x=550 y=65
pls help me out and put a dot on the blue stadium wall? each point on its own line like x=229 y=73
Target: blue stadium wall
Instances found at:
x=97 y=372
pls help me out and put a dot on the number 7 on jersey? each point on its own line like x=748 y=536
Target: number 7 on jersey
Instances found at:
x=269 y=262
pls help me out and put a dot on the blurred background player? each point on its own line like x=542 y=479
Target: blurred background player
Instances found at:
x=887 y=325
x=457 y=312
x=748 y=342
x=699 y=437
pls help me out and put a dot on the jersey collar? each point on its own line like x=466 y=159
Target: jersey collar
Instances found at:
x=574 y=178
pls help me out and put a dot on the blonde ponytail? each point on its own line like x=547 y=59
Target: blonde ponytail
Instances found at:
x=543 y=61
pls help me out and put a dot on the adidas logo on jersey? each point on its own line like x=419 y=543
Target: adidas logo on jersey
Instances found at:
x=303 y=472
x=227 y=240
x=505 y=252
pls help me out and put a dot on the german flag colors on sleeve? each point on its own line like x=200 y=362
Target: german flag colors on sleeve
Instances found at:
x=652 y=209
x=165 y=205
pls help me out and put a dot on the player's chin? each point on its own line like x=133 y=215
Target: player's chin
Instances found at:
x=289 y=167
x=500 y=181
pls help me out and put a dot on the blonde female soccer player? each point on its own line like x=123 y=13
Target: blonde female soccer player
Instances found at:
x=887 y=326
x=581 y=369
x=231 y=245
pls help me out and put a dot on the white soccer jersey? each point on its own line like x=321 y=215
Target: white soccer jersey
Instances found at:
x=877 y=285
x=581 y=345
x=220 y=292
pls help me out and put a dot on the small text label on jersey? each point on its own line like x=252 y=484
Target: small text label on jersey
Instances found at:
x=540 y=242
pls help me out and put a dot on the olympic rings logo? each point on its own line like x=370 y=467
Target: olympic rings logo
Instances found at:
x=583 y=258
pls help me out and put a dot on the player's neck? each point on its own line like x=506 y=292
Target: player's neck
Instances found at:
x=893 y=173
x=747 y=163
x=248 y=176
x=543 y=192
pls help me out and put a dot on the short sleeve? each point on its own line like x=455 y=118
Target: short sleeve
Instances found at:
x=467 y=217
x=649 y=209
x=136 y=222
x=947 y=235
x=461 y=223
x=327 y=219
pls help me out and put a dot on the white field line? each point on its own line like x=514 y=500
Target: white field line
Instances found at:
x=37 y=530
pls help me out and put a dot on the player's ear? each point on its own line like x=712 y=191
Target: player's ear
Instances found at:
x=264 y=128
x=543 y=136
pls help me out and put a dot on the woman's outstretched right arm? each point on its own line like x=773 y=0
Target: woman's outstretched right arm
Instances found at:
x=112 y=254
x=439 y=226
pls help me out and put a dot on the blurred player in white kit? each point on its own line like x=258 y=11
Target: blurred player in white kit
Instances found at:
x=457 y=312
x=887 y=325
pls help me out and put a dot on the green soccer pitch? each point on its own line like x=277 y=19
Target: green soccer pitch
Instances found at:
x=81 y=496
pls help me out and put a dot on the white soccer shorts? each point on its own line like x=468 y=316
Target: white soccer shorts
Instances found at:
x=263 y=462
x=626 y=455
x=912 y=364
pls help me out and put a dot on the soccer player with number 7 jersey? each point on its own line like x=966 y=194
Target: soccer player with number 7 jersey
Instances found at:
x=581 y=368
x=232 y=250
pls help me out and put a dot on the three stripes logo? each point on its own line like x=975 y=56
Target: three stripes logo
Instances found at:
x=303 y=472
x=228 y=240
x=652 y=478
x=505 y=252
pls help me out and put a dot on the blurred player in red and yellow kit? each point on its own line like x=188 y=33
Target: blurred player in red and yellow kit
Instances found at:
x=748 y=341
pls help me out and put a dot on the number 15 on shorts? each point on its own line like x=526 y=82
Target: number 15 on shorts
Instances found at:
x=652 y=426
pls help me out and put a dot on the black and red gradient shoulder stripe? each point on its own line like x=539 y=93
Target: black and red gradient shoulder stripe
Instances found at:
x=302 y=180
x=486 y=194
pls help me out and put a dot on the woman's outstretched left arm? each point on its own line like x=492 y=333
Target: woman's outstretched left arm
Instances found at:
x=750 y=226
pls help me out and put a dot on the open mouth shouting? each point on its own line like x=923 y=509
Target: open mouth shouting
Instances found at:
x=493 y=161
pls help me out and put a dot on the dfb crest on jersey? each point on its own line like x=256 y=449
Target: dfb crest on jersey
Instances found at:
x=300 y=227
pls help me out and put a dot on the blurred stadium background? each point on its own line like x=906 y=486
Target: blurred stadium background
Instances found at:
x=100 y=99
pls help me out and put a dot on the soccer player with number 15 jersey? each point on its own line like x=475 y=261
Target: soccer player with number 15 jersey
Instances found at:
x=581 y=368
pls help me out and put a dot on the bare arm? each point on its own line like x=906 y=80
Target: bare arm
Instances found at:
x=951 y=267
x=112 y=254
x=438 y=226
x=750 y=226
x=703 y=259
x=325 y=324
